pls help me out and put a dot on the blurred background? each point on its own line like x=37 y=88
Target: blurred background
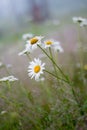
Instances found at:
x=51 y=18
x=16 y=16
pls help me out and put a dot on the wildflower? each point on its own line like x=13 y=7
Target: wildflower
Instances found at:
x=9 y=65
x=31 y=45
x=33 y=42
x=42 y=56
x=35 y=69
x=25 y=51
x=84 y=23
x=1 y=64
x=8 y=78
x=27 y=36
x=3 y=112
x=58 y=48
x=53 y=44
x=80 y=20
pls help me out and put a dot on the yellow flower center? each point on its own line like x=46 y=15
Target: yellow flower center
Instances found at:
x=37 y=68
x=48 y=42
x=33 y=40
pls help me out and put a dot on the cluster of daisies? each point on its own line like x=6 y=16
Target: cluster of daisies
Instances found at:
x=36 y=67
x=32 y=44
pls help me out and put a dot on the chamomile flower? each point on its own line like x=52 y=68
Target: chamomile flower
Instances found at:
x=31 y=45
x=35 y=69
x=27 y=36
x=10 y=78
x=33 y=42
x=1 y=64
x=25 y=51
x=8 y=65
x=3 y=112
x=80 y=20
x=84 y=23
x=53 y=44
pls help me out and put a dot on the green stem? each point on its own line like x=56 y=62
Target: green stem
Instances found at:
x=54 y=63
x=6 y=69
x=67 y=80
x=81 y=56
x=29 y=58
x=56 y=76
x=8 y=84
x=75 y=97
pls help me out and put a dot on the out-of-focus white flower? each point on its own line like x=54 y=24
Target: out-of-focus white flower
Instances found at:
x=58 y=48
x=42 y=56
x=80 y=20
x=9 y=65
x=10 y=78
x=27 y=36
x=53 y=44
x=84 y=23
x=1 y=64
x=35 y=69
x=3 y=112
x=25 y=51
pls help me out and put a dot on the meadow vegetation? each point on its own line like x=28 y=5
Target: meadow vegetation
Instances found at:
x=58 y=98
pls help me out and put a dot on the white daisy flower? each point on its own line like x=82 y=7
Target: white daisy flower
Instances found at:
x=10 y=78
x=33 y=42
x=27 y=36
x=1 y=64
x=8 y=65
x=80 y=20
x=84 y=23
x=31 y=45
x=35 y=69
x=42 y=56
x=58 y=48
x=3 y=112
x=23 y=52
x=53 y=44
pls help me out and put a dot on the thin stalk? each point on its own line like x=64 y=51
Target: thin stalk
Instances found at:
x=67 y=80
x=8 y=84
x=56 y=76
x=54 y=63
x=29 y=58
x=7 y=71
x=81 y=56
